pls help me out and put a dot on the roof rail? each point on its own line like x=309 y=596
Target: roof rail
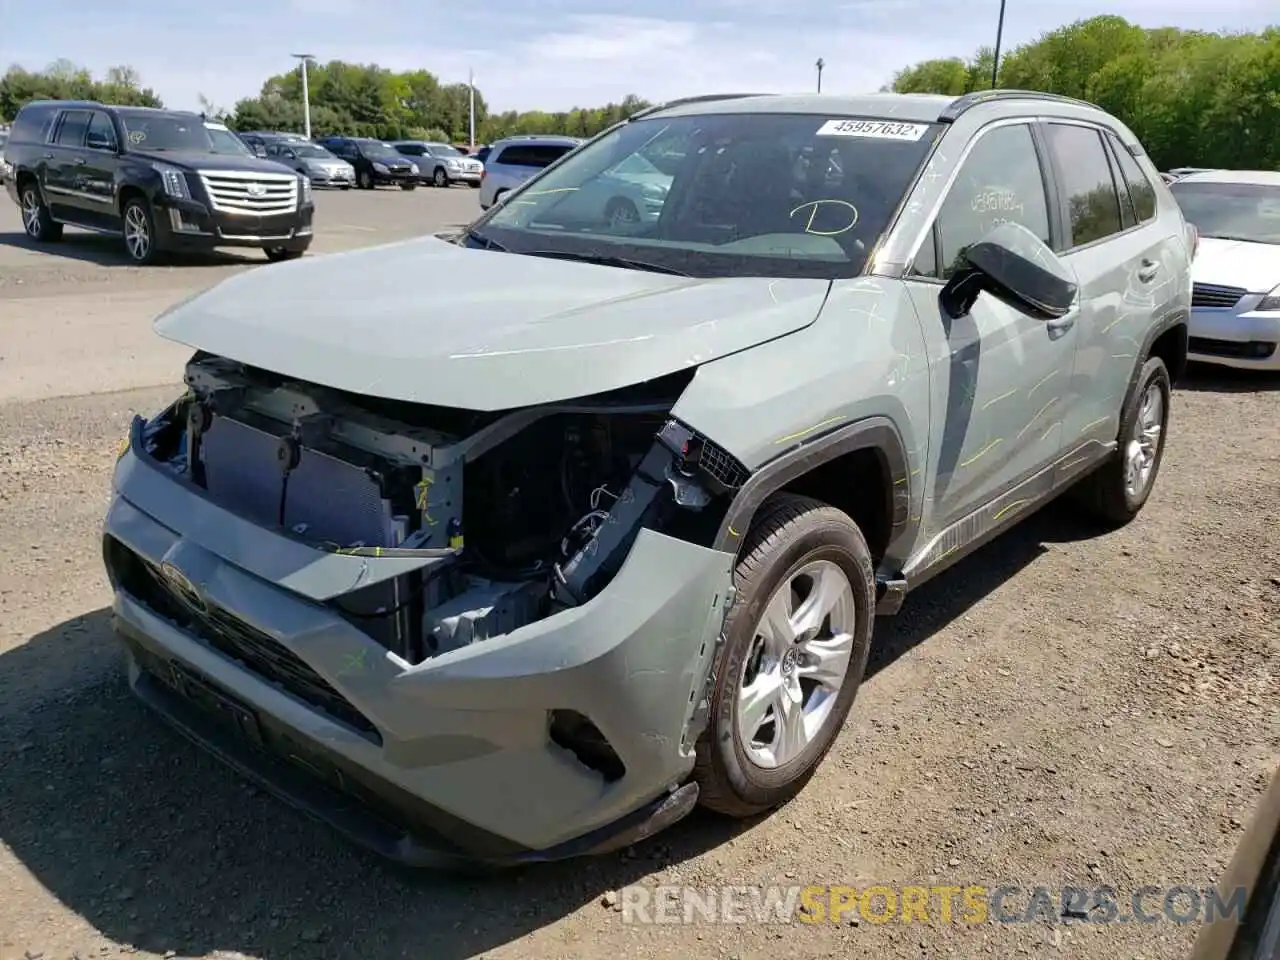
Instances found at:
x=702 y=98
x=970 y=100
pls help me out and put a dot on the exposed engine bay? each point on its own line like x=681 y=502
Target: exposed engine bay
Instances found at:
x=517 y=514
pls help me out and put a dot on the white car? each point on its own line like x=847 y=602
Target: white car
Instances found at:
x=1235 y=301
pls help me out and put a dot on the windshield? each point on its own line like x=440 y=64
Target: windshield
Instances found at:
x=443 y=150
x=224 y=141
x=776 y=195
x=160 y=132
x=1231 y=211
x=312 y=151
x=377 y=150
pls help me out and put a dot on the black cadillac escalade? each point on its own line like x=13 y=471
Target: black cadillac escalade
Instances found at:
x=161 y=179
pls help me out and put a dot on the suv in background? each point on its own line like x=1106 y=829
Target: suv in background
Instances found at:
x=376 y=163
x=5 y=170
x=441 y=164
x=162 y=179
x=311 y=160
x=695 y=456
x=513 y=160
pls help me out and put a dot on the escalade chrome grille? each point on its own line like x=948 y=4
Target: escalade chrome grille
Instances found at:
x=1213 y=295
x=235 y=191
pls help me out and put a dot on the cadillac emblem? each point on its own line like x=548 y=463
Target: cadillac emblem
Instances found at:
x=257 y=190
x=182 y=587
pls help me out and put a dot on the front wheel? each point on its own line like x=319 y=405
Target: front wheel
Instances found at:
x=440 y=178
x=408 y=186
x=140 y=232
x=364 y=180
x=277 y=254
x=795 y=649
x=1117 y=491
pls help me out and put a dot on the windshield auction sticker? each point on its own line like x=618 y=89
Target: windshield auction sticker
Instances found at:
x=873 y=129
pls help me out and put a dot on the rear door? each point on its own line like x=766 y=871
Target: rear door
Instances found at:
x=1114 y=244
x=64 y=162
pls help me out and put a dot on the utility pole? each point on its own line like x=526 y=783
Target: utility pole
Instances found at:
x=995 y=63
x=306 y=94
x=820 y=64
x=471 y=86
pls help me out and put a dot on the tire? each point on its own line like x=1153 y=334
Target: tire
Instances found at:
x=139 y=228
x=364 y=180
x=1107 y=492
x=278 y=254
x=475 y=186
x=37 y=221
x=440 y=178
x=345 y=186
x=620 y=212
x=790 y=535
x=408 y=186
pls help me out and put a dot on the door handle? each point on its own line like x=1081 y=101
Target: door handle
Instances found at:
x=1148 y=271
x=1061 y=325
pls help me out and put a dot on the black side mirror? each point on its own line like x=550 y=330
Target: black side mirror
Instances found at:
x=1014 y=266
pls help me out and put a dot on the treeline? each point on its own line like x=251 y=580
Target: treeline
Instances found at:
x=371 y=101
x=63 y=80
x=346 y=98
x=1194 y=99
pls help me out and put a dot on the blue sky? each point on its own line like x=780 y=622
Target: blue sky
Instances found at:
x=552 y=54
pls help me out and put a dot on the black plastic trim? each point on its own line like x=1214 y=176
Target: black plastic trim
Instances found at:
x=875 y=433
x=436 y=840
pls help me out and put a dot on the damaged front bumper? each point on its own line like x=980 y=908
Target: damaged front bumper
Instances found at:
x=454 y=759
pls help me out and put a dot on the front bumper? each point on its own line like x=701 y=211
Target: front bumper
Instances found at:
x=332 y=178
x=395 y=177
x=453 y=758
x=188 y=224
x=1235 y=336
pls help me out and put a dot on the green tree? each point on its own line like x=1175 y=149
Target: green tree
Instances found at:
x=64 y=80
x=1193 y=98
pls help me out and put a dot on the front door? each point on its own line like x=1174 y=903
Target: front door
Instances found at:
x=999 y=377
x=95 y=178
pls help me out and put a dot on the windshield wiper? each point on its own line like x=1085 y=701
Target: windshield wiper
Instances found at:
x=485 y=242
x=606 y=260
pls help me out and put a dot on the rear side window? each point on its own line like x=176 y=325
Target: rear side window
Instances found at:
x=537 y=155
x=1093 y=205
x=72 y=129
x=1000 y=181
x=32 y=124
x=1141 y=190
x=411 y=149
x=101 y=134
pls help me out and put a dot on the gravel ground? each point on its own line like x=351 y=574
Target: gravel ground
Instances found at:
x=1062 y=708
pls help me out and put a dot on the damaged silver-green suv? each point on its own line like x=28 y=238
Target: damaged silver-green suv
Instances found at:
x=518 y=543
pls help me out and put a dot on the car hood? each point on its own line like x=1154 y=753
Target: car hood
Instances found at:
x=196 y=160
x=426 y=321
x=1237 y=263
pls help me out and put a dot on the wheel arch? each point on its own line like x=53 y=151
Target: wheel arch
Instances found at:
x=861 y=468
x=127 y=192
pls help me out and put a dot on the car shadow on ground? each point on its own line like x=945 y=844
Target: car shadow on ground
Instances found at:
x=105 y=250
x=157 y=845
x=1208 y=378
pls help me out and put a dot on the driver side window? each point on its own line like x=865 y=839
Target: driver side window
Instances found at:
x=1000 y=181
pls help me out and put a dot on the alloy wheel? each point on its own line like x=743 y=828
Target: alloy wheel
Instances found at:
x=31 y=213
x=1144 y=442
x=137 y=232
x=797 y=664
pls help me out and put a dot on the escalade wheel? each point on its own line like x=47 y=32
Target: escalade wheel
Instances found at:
x=36 y=219
x=1117 y=490
x=796 y=644
x=139 y=232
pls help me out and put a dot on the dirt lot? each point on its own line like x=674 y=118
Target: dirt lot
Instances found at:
x=1064 y=708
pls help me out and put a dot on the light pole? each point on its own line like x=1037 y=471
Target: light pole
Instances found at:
x=995 y=62
x=306 y=95
x=820 y=64
x=471 y=86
